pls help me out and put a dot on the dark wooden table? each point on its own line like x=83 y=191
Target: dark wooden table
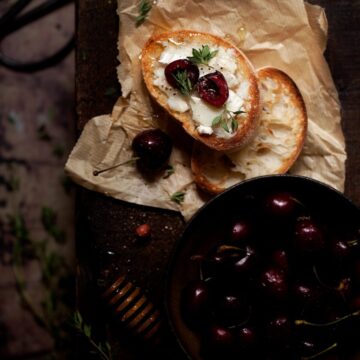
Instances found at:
x=105 y=227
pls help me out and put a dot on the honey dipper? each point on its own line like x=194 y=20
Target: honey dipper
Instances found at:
x=132 y=308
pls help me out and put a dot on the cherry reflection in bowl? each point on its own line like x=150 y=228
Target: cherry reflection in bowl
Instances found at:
x=269 y=269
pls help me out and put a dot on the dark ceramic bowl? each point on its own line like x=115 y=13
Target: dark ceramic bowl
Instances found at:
x=209 y=225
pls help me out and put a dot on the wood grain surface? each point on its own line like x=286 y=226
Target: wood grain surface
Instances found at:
x=106 y=243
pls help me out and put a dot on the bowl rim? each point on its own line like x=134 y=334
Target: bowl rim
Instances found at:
x=188 y=224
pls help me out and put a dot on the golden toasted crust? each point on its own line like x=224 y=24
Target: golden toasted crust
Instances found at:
x=247 y=123
x=298 y=101
x=214 y=171
x=217 y=161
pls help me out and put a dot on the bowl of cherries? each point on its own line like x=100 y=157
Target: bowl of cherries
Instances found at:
x=269 y=269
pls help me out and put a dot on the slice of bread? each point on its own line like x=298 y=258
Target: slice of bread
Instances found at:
x=191 y=111
x=276 y=146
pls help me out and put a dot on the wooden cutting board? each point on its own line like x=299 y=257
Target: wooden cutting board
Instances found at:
x=105 y=242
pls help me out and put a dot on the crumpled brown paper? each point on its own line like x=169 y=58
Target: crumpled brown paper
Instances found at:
x=290 y=35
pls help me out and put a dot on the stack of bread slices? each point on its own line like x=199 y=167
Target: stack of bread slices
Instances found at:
x=246 y=123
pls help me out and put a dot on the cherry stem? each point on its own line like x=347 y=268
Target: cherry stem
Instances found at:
x=333 y=346
x=297 y=201
x=130 y=161
x=201 y=271
x=243 y=322
x=199 y=259
x=353 y=242
x=334 y=322
x=320 y=281
x=224 y=248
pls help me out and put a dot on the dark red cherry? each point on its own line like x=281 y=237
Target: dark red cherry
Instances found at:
x=195 y=301
x=340 y=249
x=213 y=88
x=279 y=328
x=281 y=204
x=307 y=347
x=220 y=337
x=240 y=231
x=308 y=236
x=153 y=147
x=356 y=270
x=218 y=263
x=174 y=67
x=306 y=293
x=231 y=309
x=273 y=281
x=355 y=303
x=280 y=259
x=246 y=337
x=246 y=262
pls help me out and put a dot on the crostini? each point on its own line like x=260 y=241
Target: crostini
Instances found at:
x=205 y=83
x=276 y=146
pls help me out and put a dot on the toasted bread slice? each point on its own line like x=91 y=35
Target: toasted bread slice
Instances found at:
x=195 y=115
x=276 y=146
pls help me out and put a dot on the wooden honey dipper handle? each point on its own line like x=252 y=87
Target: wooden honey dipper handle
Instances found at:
x=132 y=308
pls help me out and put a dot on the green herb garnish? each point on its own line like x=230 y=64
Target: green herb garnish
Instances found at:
x=56 y=280
x=168 y=171
x=103 y=349
x=227 y=120
x=48 y=219
x=183 y=81
x=18 y=227
x=178 y=197
x=203 y=55
x=144 y=9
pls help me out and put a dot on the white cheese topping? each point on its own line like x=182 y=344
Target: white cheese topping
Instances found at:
x=173 y=52
x=243 y=90
x=232 y=80
x=224 y=60
x=177 y=103
x=175 y=100
x=202 y=112
x=235 y=102
x=204 y=130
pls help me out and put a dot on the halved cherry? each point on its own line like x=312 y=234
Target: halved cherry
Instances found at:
x=181 y=65
x=213 y=88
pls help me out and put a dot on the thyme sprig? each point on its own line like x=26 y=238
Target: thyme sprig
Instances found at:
x=184 y=84
x=203 y=55
x=178 y=197
x=168 y=171
x=144 y=9
x=56 y=281
x=103 y=349
x=227 y=120
x=49 y=222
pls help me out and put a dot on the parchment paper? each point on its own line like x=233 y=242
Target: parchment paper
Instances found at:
x=290 y=35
